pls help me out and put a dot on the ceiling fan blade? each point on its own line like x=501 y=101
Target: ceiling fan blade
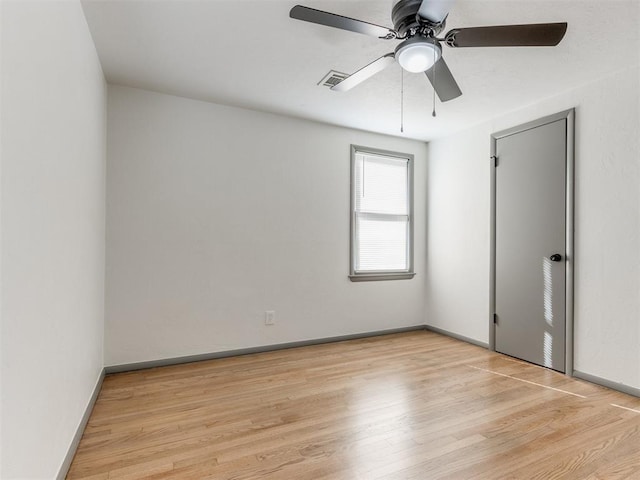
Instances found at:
x=435 y=10
x=365 y=73
x=338 y=21
x=443 y=82
x=532 y=35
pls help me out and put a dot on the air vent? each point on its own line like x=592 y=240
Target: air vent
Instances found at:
x=332 y=78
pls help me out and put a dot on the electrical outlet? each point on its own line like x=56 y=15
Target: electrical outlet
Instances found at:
x=269 y=317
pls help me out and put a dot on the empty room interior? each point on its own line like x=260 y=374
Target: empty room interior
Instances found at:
x=339 y=240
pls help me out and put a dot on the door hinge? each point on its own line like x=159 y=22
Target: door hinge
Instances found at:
x=494 y=160
x=495 y=318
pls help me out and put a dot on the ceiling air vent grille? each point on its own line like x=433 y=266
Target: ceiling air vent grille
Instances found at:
x=332 y=78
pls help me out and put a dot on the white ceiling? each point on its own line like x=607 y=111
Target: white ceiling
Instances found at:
x=249 y=53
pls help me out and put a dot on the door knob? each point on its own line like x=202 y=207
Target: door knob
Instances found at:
x=556 y=257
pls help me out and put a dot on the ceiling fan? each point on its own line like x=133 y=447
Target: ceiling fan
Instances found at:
x=417 y=23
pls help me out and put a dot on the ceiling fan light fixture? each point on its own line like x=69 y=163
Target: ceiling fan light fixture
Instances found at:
x=418 y=54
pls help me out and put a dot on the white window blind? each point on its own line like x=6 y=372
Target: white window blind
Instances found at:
x=381 y=205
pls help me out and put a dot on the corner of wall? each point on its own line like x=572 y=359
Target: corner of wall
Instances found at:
x=52 y=234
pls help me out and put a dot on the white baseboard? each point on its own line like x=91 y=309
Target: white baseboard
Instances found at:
x=456 y=336
x=127 y=367
x=620 y=387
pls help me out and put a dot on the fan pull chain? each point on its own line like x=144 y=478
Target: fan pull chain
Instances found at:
x=402 y=100
x=433 y=114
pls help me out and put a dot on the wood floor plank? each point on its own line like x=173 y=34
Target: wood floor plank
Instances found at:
x=415 y=405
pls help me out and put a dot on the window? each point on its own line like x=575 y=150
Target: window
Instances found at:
x=381 y=215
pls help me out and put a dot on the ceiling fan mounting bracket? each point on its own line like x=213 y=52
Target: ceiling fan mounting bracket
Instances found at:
x=391 y=36
x=450 y=37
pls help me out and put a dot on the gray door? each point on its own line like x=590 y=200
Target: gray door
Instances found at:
x=530 y=242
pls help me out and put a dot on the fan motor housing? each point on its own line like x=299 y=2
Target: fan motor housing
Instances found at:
x=405 y=19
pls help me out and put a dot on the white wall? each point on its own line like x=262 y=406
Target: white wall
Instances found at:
x=52 y=242
x=216 y=214
x=607 y=218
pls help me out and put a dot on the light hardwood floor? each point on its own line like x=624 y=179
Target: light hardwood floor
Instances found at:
x=407 y=406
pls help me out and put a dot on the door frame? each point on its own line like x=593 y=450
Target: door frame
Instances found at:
x=569 y=116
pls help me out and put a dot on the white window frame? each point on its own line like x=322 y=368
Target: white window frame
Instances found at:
x=354 y=275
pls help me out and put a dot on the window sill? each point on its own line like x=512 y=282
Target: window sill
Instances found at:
x=381 y=276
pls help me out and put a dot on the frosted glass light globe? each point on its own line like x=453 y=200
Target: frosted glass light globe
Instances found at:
x=417 y=54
